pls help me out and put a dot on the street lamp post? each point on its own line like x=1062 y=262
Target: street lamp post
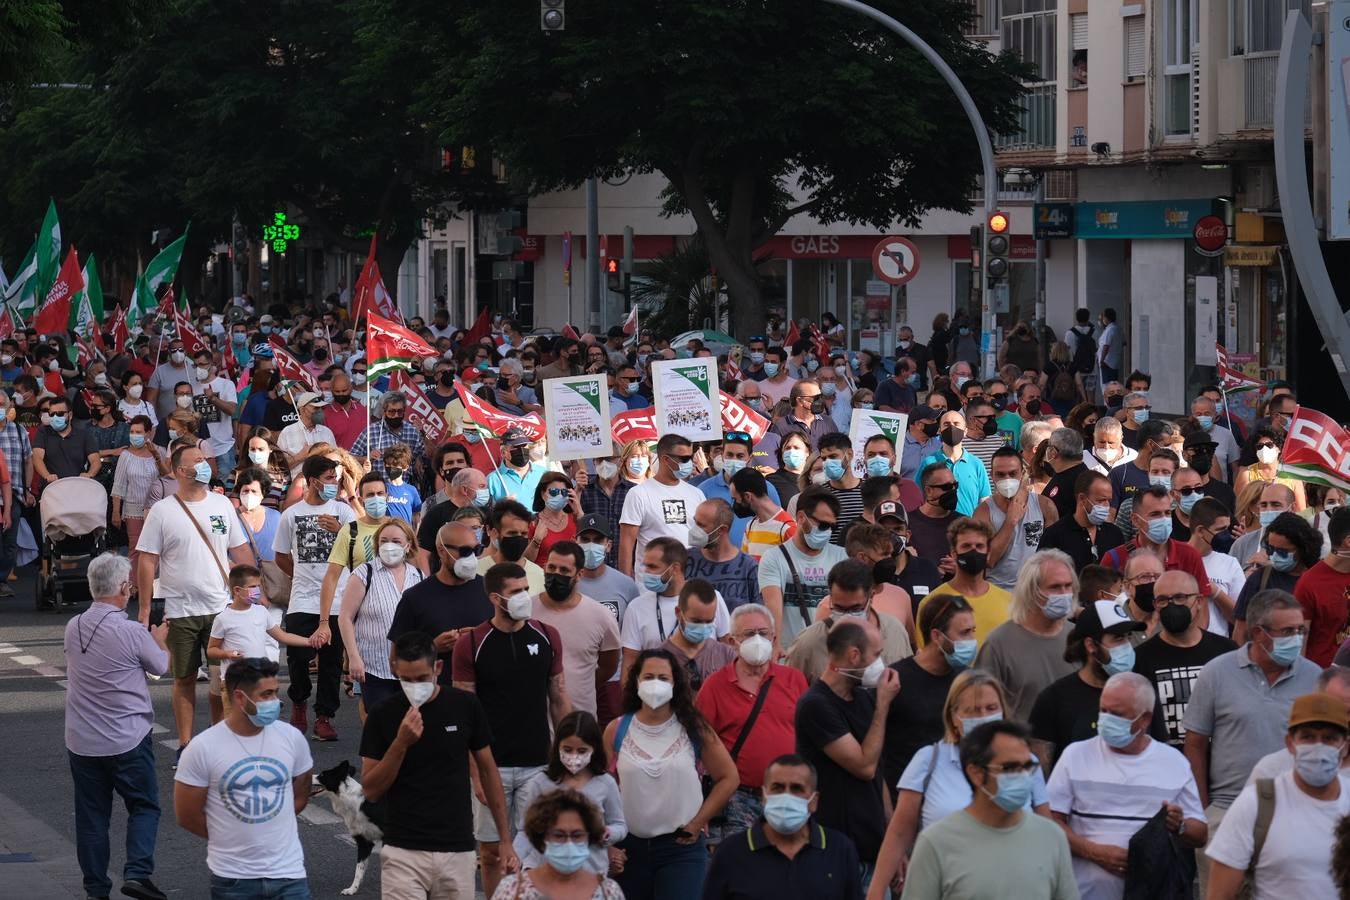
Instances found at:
x=981 y=137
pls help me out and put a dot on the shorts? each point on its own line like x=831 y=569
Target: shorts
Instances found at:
x=187 y=644
x=513 y=784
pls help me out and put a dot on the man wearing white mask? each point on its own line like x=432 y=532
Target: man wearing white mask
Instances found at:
x=715 y=557
x=514 y=663
x=1017 y=516
x=299 y=436
x=168 y=373
x=215 y=400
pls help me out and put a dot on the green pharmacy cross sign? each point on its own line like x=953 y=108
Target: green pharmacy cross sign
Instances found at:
x=279 y=233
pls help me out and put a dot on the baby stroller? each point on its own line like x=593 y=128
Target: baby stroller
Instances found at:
x=74 y=529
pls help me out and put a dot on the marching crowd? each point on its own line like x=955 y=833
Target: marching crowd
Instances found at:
x=1033 y=646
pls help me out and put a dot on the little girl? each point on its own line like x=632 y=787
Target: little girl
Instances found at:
x=240 y=630
x=577 y=761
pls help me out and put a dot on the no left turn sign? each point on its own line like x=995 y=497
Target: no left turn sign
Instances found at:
x=895 y=260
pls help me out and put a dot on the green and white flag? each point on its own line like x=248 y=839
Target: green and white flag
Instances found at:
x=22 y=292
x=86 y=313
x=48 y=246
x=164 y=267
x=139 y=298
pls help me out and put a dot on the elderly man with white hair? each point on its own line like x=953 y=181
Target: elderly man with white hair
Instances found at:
x=1108 y=448
x=513 y=395
x=392 y=428
x=467 y=488
x=1104 y=789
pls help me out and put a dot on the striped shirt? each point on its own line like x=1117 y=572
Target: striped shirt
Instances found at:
x=132 y=481
x=376 y=614
x=983 y=449
x=594 y=501
x=761 y=537
x=17 y=450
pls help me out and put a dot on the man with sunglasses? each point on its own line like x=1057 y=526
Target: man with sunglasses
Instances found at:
x=806 y=413
x=1198 y=450
x=661 y=506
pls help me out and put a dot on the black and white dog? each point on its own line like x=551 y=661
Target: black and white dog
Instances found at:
x=364 y=820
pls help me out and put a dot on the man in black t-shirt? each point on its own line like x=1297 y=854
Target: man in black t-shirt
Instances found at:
x=840 y=731
x=446 y=606
x=1088 y=534
x=415 y=754
x=1172 y=658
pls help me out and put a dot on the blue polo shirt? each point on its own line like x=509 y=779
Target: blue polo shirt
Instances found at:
x=915 y=453
x=747 y=865
x=972 y=481
x=505 y=482
x=715 y=487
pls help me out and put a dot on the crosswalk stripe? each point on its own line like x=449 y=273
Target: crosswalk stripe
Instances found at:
x=27 y=660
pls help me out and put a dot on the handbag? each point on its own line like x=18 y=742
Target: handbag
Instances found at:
x=276 y=584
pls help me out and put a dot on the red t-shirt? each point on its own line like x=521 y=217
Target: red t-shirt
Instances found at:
x=1325 y=596
x=568 y=533
x=726 y=706
x=1181 y=557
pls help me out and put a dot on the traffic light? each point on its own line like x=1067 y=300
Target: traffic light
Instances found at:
x=552 y=15
x=613 y=275
x=996 y=247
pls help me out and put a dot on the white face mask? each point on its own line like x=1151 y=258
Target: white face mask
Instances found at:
x=101 y=379
x=134 y=392
x=607 y=470
x=178 y=356
x=418 y=692
x=202 y=373
x=250 y=501
x=870 y=675
x=465 y=567
x=1268 y=455
x=756 y=650
x=392 y=554
x=1008 y=487
x=183 y=401
x=655 y=693
x=575 y=762
x=519 y=605
x=820 y=478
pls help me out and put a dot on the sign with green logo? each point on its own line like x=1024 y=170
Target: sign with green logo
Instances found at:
x=866 y=424
x=578 y=417
x=687 y=398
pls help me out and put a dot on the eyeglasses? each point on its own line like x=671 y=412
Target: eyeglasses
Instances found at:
x=557 y=492
x=567 y=837
x=1024 y=768
x=820 y=522
x=681 y=459
x=1169 y=599
x=1300 y=630
x=1187 y=491
x=758 y=632
x=1133 y=408
x=1000 y=396
x=461 y=552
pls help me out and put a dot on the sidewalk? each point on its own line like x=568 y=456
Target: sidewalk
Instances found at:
x=35 y=862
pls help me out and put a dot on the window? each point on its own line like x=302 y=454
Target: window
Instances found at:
x=1029 y=33
x=1177 y=28
x=1237 y=26
x=1078 y=29
x=1136 y=60
x=985 y=17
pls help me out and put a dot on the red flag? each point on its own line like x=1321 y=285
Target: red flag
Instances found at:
x=288 y=366
x=481 y=328
x=390 y=345
x=421 y=411
x=792 y=336
x=733 y=371
x=736 y=416
x=54 y=316
x=84 y=353
x=168 y=306
x=7 y=326
x=570 y=332
x=1316 y=449
x=193 y=343
x=635 y=425
x=370 y=294
x=494 y=420
x=821 y=345
x=120 y=333
x=1233 y=380
x=630 y=324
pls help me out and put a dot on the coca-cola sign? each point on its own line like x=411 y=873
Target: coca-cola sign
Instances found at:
x=1211 y=235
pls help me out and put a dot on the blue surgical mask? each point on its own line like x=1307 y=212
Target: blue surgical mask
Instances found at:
x=328 y=492
x=259 y=457
x=1014 y=790
x=786 y=813
x=1057 y=606
x=202 y=472
x=731 y=466
x=1116 y=731
x=173 y=435
x=771 y=369
x=265 y=329
x=376 y=506
x=137 y=440
x=1162 y=481
x=1122 y=659
x=794 y=458
x=565 y=856
x=595 y=555
x=1282 y=560
x=1206 y=422
x=818 y=538
x=478 y=535
x=472 y=437
x=1270 y=515
x=58 y=423
x=698 y=632
x=1318 y=764
x=1099 y=513
x=969 y=725
x=1159 y=530
x=812 y=365
x=1284 y=650
x=1140 y=416
x=834 y=469
x=482 y=497
x=867 y=406
x=1187 y=501
x=684 y=470
x=828 y=389
x=878 y=466
x=962 y=653
x=267 y=712
x=557 y=502
x=637 y=466
x=654 y=583
x=756 y=358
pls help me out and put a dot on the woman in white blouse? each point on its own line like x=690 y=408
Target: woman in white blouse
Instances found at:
x=133 y=402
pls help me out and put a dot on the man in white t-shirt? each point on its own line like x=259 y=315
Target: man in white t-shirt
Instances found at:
x=1104 y=788
x=662 y=506
x=1295 y=860
x=650 y=619
x=298 y=437
x=215 y=400
x=191 y=537
x=1210 y=524
x=303 y=544
x=241 y=784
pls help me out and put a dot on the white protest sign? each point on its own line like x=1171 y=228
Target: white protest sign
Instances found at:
x=578 y=417
x=688 y=401
x=868 y=423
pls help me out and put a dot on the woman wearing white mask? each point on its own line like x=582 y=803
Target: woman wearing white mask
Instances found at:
x=371 y=596
x=260 y=527
x=133 y=402
x=1267 y=467
x=261 y=452
x=576 y=762
x=137 y=471
x=934 y=784
x=658 y=743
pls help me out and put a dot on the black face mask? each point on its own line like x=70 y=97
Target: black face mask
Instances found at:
x=447 y=379
x=342 y=399
x=742 y=510
x=394 y=473
x=1175 y=618
x=1222 y=541
x=1115 y=402
x=559 y=587
x=1202 y=460
x=518 y=458
x=1143 y=597
x=513 y=548
x=931 y=429
x=394 y=425
x=948 y=500
x=972 y=562
x=999 y=402
x=953 y=435
x=1033 y=406
x=817 y=406
x=884 y=571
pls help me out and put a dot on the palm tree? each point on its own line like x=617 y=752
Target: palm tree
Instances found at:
x=675 y=292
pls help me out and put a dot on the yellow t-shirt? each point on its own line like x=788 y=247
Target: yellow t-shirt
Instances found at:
x=991 y=609
x=534 y=575
x=349 y=555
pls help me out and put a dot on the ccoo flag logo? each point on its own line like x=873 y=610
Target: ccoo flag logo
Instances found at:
x=589 y=389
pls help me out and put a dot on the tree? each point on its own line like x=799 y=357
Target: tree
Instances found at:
x=675 y=290
x=755 y=111
x=32 y=35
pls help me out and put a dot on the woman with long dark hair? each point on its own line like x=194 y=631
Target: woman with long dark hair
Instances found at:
x=658 y=743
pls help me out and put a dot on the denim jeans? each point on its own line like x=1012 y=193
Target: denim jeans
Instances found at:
x=259 y=888
x=132 y=776
x=9 y=539
x=660 y=869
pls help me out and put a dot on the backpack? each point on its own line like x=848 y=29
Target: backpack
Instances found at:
x=1084 y=351
x=1062 y=389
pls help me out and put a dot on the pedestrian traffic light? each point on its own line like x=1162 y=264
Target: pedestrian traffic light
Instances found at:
x=552 y=15
x=996 y=247
x=614 y=276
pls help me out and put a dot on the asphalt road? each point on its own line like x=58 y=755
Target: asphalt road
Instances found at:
x=37 y=830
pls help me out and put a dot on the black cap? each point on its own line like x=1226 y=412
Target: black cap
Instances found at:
x=1199 y=439
x=921 y=413
x=592 y=522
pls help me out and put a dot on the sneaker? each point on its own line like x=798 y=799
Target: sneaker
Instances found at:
x=202 y=674
x=323 y=729
x=300 y=716
x=143 y=889
x=6 y=592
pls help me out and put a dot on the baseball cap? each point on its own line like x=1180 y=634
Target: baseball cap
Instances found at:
x=1104 y=617
x=1198 y=439
x=922 y=412
x=1319 y=709
x=514 y=437
x=593 y=522
x=891 y=509
x=309 y=397
x=265 y=319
